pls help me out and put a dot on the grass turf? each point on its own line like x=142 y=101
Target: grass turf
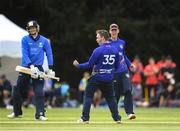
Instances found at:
x=62 y=119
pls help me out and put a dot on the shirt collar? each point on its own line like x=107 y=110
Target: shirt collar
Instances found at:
x=107 y=43
x=114 y=40
x=35 y=39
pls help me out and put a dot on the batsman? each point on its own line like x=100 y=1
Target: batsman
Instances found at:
x=34 y=46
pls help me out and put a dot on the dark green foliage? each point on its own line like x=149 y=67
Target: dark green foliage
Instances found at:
x=150 y=27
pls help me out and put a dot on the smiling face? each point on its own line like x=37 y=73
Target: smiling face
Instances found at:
x=33 y=30
x=114 y=32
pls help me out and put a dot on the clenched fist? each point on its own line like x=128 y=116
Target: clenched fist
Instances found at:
x=75 y=63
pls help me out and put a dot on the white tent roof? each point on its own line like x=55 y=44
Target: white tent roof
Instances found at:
x=10 y=38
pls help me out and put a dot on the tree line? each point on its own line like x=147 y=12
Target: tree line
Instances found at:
x=150 y=27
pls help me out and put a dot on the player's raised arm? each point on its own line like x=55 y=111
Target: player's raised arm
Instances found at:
x=92 y=61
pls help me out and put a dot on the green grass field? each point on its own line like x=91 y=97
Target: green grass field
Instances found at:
x=148 y=119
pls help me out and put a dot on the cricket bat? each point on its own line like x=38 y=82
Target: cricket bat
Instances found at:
x=28 y=71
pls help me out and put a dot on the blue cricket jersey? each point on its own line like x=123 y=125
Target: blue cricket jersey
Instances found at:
x=120 y=44
x=33 y=51
x=104 y=61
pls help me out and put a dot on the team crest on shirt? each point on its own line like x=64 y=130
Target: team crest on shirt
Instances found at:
x=121 y=46
x=40 y=44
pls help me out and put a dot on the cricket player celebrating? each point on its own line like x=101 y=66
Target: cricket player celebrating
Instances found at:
x=104 y=60
x=33 y=48
x=122 y=84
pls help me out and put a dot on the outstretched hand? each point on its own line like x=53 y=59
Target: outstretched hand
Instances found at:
x=75 y=63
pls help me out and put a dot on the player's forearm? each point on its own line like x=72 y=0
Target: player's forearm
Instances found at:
x=26 y=61
x=50 y=62
x=49 y=54
x=50 y=57
x=88 y=64
x=85 y=65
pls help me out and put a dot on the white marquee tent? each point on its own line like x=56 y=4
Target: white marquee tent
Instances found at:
x=10 y=37
x=10 y=47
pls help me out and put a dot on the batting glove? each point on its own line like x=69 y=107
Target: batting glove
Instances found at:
x=34 y=72
x=51 y=73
